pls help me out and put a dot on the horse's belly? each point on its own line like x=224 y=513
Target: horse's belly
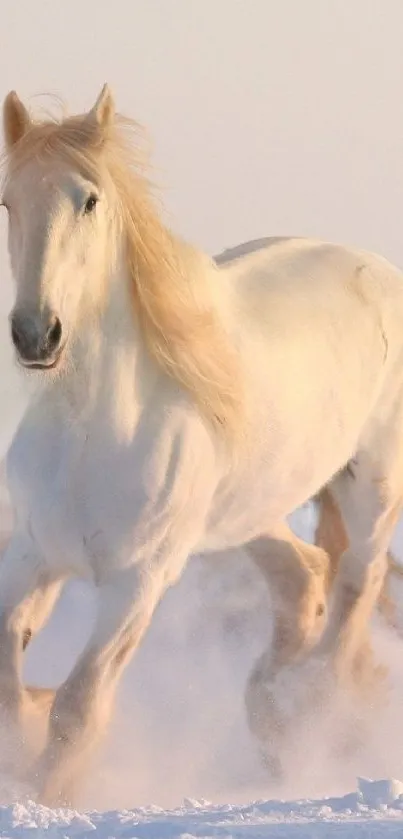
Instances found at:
x=252 y=509
x=280 y=480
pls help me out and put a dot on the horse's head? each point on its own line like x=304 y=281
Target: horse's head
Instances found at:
x=82 y=216
x=60 y=204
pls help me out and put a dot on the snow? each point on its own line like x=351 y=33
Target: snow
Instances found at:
x=374 y=810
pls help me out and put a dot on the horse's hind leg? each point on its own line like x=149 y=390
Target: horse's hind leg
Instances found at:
x=297 y=577
x=366 y=677
x=369 y=498
x=370 y=501
x=296 y=574
x=330 y=534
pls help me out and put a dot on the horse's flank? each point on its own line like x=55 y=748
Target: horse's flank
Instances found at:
x=171 y=282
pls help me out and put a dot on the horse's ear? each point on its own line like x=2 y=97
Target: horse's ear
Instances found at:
x=103 y=111
x=16 y=119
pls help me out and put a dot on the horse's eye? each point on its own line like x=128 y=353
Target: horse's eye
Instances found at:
x=90 y=204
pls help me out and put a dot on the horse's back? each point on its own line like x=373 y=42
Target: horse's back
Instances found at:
x=320 y=333
x=285 y=261
x=245 y=248
x=300 y=287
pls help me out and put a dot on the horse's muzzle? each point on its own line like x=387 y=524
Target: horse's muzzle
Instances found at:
x=37 y=339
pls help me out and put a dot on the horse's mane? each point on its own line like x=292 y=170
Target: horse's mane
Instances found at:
x=171 y=282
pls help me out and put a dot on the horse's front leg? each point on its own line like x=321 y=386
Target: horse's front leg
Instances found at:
x=83 y=704
x=39 y=592
x=21 y=570
x=35 y=612
x=22 y=577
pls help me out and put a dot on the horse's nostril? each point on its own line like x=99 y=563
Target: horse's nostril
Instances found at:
x=54 y=334
x=18 y=334
x=15 y=335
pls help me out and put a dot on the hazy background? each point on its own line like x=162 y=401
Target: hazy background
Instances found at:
x=266 y=118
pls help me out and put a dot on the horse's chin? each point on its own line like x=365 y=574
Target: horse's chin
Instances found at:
x=42 y=367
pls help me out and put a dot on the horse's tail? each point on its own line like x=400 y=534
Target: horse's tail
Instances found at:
x=330 y=535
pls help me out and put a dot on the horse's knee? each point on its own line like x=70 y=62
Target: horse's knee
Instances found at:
x=313 y=605
x=301 y=618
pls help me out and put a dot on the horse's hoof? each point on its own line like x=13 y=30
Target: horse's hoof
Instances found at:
x=280 y=708
x=301 y=688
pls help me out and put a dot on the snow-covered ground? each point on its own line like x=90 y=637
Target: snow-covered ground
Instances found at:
x=374 y=809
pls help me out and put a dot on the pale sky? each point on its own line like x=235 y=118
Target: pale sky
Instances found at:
x=266 y=116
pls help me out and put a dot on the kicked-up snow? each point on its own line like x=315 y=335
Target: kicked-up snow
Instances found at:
x=179 y=734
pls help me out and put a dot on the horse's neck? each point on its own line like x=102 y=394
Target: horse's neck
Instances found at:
x=111 y=374
x=109 y=367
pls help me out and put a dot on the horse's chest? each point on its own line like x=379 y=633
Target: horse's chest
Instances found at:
x=74 y=496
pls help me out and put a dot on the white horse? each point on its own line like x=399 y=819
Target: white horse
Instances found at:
x=181 y=408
